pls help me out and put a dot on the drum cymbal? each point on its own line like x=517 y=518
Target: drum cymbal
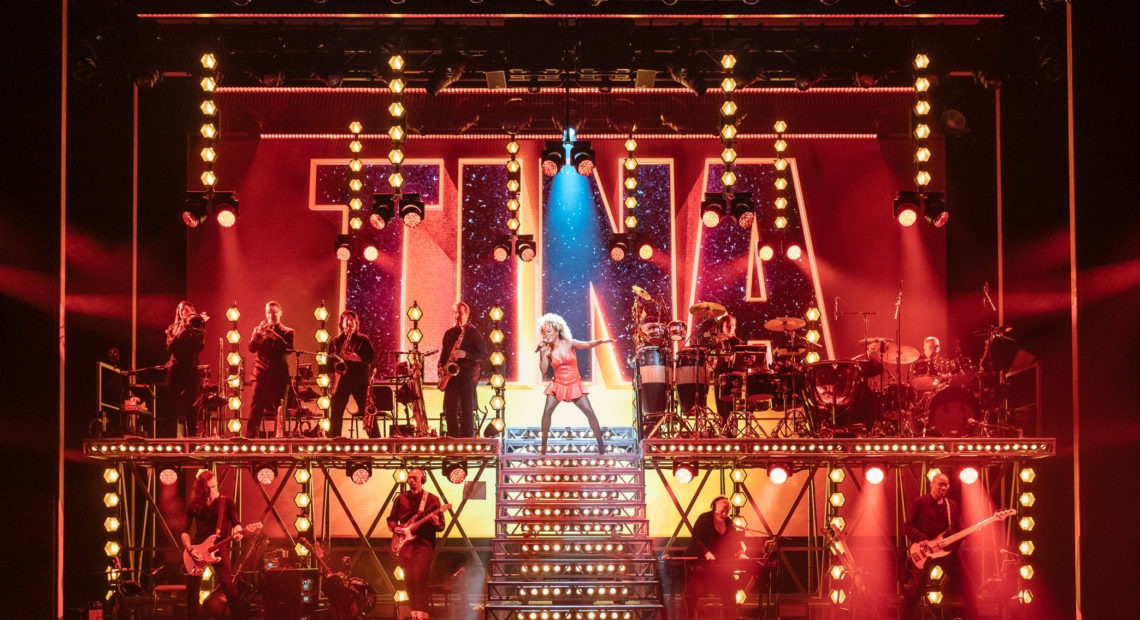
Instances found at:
x=872 y=340
x=993 y=330
x=704 y=309
x=902 y=354
x=784 y=324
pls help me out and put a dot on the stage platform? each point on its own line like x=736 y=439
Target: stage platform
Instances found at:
x=396 y=453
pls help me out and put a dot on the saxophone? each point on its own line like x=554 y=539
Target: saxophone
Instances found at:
x=452 y=367
x=416 y=381
x=370 y=410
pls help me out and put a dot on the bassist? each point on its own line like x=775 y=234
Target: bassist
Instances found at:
x=418 y=552
x=210 y=513
x=934 y=514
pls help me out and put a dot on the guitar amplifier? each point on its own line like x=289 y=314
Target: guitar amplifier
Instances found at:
x=290 y=593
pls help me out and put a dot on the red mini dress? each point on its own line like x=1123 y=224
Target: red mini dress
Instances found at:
x=566 y=385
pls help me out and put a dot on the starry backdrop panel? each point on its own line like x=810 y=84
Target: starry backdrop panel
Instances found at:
x=726 y=250
x=576 y=233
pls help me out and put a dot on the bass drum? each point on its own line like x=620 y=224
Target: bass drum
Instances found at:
x=653 y=375
x=692 y=378
x=948 y=413
x=832 y=384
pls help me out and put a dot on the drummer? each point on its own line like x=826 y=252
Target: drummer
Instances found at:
x=931 y=358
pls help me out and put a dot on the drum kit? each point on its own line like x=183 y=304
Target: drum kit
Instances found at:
x=891 y=390
x=676 y=368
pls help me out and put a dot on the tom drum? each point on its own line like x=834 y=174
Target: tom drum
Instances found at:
x=653 y=376
x=692 y=378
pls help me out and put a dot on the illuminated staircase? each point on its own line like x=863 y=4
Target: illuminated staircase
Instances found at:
x=571 y=536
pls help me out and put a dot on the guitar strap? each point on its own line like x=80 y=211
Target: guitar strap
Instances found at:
x=221 y=514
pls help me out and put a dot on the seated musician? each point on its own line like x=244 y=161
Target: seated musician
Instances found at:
x=716 y=543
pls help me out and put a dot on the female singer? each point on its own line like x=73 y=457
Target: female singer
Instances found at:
x=185 y=338
x=557 y=349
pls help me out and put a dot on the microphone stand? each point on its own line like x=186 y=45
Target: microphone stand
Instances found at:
x=906 y=426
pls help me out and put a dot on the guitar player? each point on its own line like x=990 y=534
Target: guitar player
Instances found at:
x=210 y=513
x=417 y=553
x=934 y=514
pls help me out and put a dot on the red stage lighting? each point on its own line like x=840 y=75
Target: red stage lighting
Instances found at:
x=778 y=474
x=794 y=252
x=265 y=473
x=875 y=474
x=684 y=472
x=906 y=207
x=968 y=475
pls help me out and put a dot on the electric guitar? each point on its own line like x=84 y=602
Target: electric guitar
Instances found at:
x=216 y=604
x=919 y=552
x=344 y=602
x=205 y=551
x=399 y=540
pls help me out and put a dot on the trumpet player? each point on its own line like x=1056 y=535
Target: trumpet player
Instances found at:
x=355 y=353
x=272 y=341
x=464 y=349
x=185 y=338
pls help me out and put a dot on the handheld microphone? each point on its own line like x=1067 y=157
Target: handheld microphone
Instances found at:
x=898 y=301
x=540 y=345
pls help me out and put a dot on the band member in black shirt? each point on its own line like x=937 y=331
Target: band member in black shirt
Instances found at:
x=418 y=552
x=272 y=342
x=210 y=513
x=356 y=354
x=463 y=350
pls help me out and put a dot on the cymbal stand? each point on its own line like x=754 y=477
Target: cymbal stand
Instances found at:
x=795 y=422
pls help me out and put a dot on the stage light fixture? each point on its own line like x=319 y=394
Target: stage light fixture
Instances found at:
x=688 y=76
x=553 y=157
x=383 y=207
x=225 y=209
x=766 y=252
x=370 y=252
x=582 y=156
x=645 y=250
x=875 y=474
x=196 y=210
x=168 y=476
x=343 y=247
x=794 y=252
x=907 y=205
x=411 y=210
x=684 y=472
x=968 y=475
x=778 y=474
x=502 y=248
x=493 y=428
x=934 y=209
x=265 y=473
x=620 y=246
x=712 y=209
x=359 y=471
x=525 y=248
x=742 y=209
x=454 y=63
x=455 y=470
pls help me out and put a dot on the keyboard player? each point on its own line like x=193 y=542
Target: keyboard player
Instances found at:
x=716 y=544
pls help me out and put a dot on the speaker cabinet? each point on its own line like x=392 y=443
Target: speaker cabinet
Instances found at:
x=290 y=593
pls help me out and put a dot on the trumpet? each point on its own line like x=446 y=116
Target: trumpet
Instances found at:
x=197 y=322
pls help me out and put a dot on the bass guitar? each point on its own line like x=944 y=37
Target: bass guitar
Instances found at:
x=399 y=540
x=196 y=558
x=344 y=601
x=919 y=552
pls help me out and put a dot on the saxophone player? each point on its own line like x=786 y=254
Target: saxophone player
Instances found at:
x=356 y=354
x=272 y=342
x=464 y=350
x=185 y=338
